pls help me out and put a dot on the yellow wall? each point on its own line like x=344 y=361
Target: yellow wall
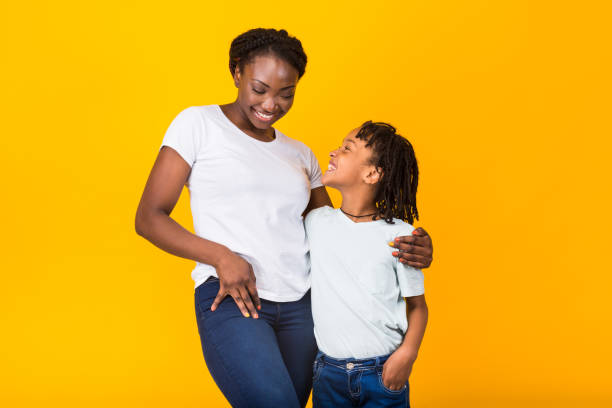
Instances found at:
x=507 y=104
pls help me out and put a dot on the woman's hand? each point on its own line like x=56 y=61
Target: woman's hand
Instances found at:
x=397 y=369
x=237 y=279
x=415 y=250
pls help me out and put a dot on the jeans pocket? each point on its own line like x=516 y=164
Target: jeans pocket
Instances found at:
x=387 y=390
x=205 y=295
x=317 y=366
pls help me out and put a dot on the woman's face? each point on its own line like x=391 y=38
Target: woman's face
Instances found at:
x=266 y=89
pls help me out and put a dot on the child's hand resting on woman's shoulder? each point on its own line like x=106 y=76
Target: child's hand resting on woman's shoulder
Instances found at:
x=397 y=369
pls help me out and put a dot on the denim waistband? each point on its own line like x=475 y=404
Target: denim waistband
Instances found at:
x=351 y=363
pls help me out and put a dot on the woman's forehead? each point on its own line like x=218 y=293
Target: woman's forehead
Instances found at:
x=271 y=70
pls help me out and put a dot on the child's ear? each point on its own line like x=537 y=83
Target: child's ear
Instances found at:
x=373 y=175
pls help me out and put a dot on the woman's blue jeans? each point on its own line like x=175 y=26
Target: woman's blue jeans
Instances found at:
x=265 y=362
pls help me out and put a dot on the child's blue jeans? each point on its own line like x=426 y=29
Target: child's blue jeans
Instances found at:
x=352 y=382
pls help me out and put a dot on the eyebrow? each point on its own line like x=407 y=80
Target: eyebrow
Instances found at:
x=350 y=140
x=268 y=86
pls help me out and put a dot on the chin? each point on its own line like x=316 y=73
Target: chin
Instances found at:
x=259 y=125
x=327 y=180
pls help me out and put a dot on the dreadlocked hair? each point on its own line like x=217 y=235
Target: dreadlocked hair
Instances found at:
x=262 y=41
x=395 y=195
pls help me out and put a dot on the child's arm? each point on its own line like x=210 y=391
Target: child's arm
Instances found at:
x=398 y=367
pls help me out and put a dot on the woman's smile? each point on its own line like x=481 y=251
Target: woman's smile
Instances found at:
x=263 y=116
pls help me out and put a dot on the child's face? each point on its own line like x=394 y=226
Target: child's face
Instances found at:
x=349 y=165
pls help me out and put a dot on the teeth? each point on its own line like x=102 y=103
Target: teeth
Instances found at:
x=263 y=116
x=331 y=167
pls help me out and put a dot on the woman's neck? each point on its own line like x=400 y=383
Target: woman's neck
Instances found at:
x=235 y=114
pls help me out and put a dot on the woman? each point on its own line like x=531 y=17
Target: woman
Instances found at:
x=249 y=185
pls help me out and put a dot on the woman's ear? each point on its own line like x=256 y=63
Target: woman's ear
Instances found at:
x=373 y=175
x=237 y=77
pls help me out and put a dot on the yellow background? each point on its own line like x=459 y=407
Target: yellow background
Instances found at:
x=506 y=102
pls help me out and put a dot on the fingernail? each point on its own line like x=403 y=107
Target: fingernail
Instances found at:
x=391 y=243
x=394 y=253
x=259 y=307
x=246 y=315
x=255 y=316
x=396 y=239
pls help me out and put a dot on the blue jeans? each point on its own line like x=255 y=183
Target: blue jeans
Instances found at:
x=351 y=382
x=265 y=362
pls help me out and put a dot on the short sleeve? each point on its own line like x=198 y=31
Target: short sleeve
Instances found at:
x=314 y=171
x=410 y=279
x=185 y=134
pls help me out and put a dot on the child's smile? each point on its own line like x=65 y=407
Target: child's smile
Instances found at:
x=349 y=163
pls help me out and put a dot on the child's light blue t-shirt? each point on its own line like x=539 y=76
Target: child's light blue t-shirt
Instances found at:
x=357 y=285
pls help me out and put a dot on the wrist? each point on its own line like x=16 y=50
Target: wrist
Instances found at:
x=221 y=256
x=407 y=354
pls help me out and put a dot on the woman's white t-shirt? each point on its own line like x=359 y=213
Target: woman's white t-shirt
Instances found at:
x=248 y=195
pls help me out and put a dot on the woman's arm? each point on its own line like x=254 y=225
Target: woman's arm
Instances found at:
x=415 y=250
x=398 y=367
x=153 y=222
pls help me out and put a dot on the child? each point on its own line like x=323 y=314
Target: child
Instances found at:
x=367 y=346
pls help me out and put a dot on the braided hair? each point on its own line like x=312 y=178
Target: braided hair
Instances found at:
x=395 y=195
x=262 y=41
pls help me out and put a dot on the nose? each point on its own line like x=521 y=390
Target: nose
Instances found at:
x=269 y=105
x=333 y=153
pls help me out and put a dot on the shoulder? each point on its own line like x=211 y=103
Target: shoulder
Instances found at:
x=321 y=213
x=188 y=132
x=200 y=123
x=188 y=112
x=401 y=228
x=195 y=113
